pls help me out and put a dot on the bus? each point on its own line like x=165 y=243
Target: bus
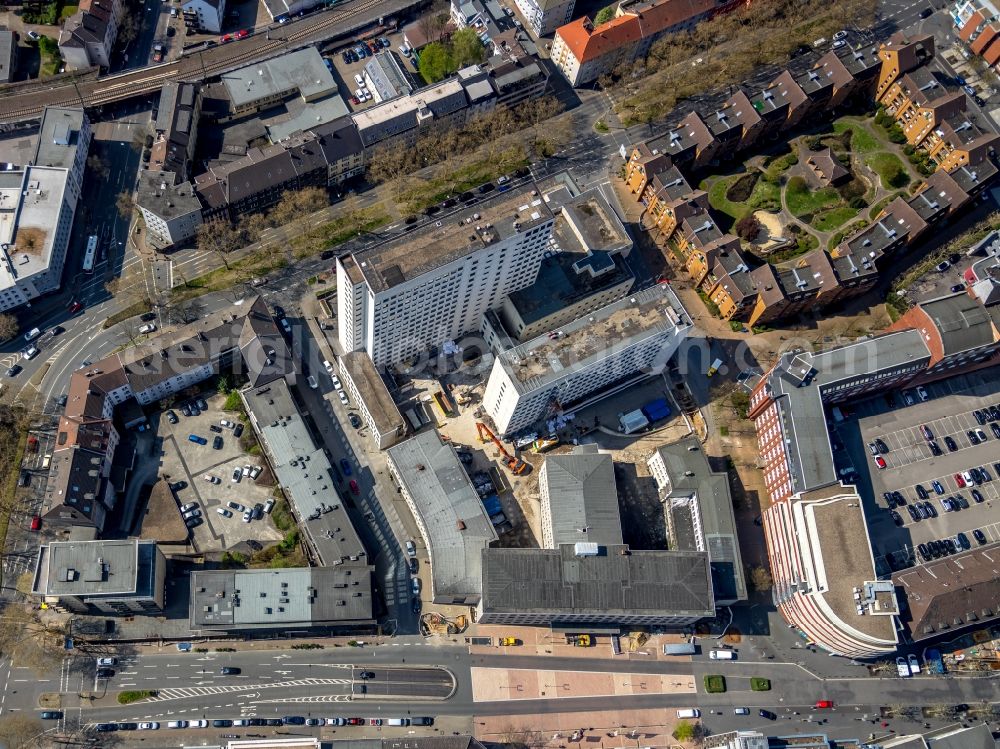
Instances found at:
x=91 y=256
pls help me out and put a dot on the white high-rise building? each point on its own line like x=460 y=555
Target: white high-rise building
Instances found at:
x=400 y=299
x=555 y=373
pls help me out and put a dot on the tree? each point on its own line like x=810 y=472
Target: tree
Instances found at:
x=520 y=738
x=466 y=49
x=760 y=579
x=683 y=731
x=111 y=286
x=605 y=14
x=124 y=203
x=8 y=327
x=98 y=165
x=748 y=228
x=28 y=640
x=435 y=62
x=432 y=26
x=17 y=731
x=295 y=205
x=219 y=237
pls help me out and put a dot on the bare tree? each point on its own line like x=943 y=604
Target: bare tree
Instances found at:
x=760 y=579
x=28 y=640
x=432 y=26
x=99 y=165
x=8 y=327
x=521 y=738
x=124 y=203
x=19 y=730
x=218 y=237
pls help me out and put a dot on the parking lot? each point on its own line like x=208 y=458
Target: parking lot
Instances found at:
x=945 y=507
x=206 y=476
x=345 y=71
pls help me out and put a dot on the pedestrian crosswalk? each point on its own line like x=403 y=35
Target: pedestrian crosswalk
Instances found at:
x=182 y=693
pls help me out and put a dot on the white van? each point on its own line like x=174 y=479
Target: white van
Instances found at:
x=691 y=712
x=32 y=334
x=177 y=724
x=722 y=655
x=398 y=722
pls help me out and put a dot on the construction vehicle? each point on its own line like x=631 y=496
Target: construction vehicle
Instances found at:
x=580 y=641
x=516 y=465
x=508 y=641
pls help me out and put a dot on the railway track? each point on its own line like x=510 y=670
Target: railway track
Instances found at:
x=198 y=66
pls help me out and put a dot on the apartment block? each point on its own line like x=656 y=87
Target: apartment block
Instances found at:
x=88 y=36
x=411 y=294
x=978 y=25
x=545 y=16
x=176 y=129
x=369 y=394
x=170 y=211
x=8 y=55
x=698 y=508
x=205 y=15
x=82 y=486
x=584 y=52
x=624 y=342
x=109 y=577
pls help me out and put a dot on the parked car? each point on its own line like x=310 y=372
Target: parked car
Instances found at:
x=217 y=443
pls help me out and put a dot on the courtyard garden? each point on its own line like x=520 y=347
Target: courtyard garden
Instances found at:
x=790 y=210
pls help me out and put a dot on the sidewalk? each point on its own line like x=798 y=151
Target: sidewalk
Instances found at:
x=611 y=729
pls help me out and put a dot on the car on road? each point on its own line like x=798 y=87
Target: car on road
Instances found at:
x=105 y=673
x=149 y=726
x=229 y=671
x=824 y=704
x=767 y=714
x=366 y=675
x=926 y=13
x=311 y=379
x=50 y=714
x=75 y=307
x=354 y=487
x=345 y=466
x=14 y=370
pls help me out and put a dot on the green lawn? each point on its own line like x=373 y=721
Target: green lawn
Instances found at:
x=717 y=197
x=830 y=220
x=765 y=196
x=801 y=200
x=67 y=11
x=862 y=140
x=889 y=168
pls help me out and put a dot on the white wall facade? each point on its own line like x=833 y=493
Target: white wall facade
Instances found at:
x=408 y=319
x=210 y=16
